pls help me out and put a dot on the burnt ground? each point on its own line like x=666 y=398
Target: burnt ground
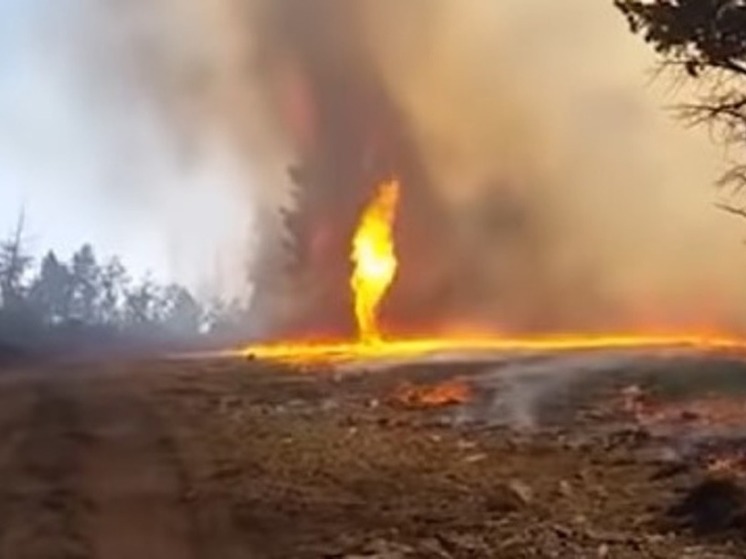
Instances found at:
x=236 y=459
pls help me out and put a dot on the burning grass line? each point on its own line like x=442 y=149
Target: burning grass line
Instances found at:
x=331 y=352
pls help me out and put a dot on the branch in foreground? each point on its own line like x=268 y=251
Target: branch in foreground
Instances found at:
x=740 y=212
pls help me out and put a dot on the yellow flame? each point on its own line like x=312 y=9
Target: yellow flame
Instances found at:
x=300 y=352
x=374 y=269
x=374 y=259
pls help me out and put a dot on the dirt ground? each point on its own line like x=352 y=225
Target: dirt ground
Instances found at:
x=238 y=459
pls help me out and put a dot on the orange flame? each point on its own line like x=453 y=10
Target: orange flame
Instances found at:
x=446 y=393
x=727 y=466
x=374 y=259
x=375 y=266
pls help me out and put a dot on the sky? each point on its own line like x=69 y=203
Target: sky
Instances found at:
x=102 y=141
x=97 y=165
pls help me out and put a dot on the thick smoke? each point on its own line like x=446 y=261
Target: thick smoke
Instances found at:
x=545 y=188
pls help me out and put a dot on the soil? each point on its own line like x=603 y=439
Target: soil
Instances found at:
x=241 y=459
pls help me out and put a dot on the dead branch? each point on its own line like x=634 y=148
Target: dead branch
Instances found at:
x=740 y=212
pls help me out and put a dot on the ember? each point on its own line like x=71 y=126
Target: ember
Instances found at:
x=447 y=393
x=727 y=466
x=711 y=411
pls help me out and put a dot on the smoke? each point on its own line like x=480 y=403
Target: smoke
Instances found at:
x=544 y=186
x=120 y=142
x=520 y=393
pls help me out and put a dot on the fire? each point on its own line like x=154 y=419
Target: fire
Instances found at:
x=727 y=466
x=375 y=266
x=450 y=392
x=316 y=351
x=374 y=260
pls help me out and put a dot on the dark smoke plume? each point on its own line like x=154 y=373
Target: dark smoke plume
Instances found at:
x=350 y=131
x=544 y=187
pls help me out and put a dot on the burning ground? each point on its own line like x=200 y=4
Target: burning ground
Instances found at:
x=533 y=455
x=580 y=453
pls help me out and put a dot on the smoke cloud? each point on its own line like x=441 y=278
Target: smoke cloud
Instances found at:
x=544 y=186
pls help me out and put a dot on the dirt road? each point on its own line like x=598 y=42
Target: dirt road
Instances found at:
x=87 y=471
x=167 y=460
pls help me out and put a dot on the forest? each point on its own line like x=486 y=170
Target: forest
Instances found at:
x=87 y=305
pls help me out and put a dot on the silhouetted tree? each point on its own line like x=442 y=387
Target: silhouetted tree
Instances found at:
x=85 y=277
x=704 y=40
x=15 y=262
x=140 y=304
x=215 y=314
x=19 y=324
x=51 y=292
x=83 y=304
x=226 y=318
x=114 y=284
x=182 y=314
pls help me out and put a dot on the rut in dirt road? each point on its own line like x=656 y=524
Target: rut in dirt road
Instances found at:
x=42 y=507
x=133 y=476
x=88 y=473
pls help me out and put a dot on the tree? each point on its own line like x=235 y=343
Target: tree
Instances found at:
x=77 y=298
x=114 y=282
x=223 y=318
x=15 y=262
x=86 y=277
x=182 y=314
x=51 y=292
x=703 y=40
x=216 y=315
x=140 y=304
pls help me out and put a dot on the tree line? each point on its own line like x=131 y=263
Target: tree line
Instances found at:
x=83 y=302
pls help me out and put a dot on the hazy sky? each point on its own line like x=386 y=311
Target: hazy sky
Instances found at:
x=99 y=166
x=88 y=148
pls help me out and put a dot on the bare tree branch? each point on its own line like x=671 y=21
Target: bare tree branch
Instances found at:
x=740 y=212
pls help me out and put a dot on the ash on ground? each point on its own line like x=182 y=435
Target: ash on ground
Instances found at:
x=577 y=454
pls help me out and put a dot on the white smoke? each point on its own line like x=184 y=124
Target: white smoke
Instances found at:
x=548 y=100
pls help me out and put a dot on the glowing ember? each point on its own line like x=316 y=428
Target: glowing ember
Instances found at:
x=727 y=466
x=374 y=259
x=375 y=266
x=446 y=393
x=710 y=411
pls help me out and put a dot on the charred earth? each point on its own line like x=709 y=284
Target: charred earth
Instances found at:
x=593 y=453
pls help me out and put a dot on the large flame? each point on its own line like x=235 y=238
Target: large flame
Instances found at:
x=374 y=259
x=311 y=351
x=375 y=266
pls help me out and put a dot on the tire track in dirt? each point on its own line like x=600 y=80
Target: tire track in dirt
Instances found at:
x=42 y=508
x=215 y=532
x=134 y=479
x=15 y=413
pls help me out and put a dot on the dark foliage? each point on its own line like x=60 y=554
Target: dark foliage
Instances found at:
x=83 y=305
x=704 y=40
